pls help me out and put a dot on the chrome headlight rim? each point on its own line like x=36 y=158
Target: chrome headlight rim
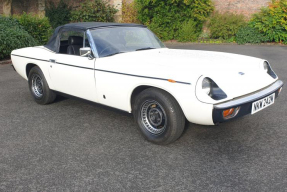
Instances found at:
x=266 y=66
x=210 y=88
x=269 y=69
x=206 y=85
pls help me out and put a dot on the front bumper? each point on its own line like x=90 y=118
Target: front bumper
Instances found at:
x=245 y=103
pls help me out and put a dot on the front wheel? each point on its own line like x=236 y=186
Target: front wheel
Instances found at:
x=39 y=87
x=159 y=116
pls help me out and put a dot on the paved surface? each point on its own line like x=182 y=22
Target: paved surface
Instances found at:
x=74 y=146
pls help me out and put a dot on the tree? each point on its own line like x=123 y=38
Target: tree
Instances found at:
x=7 y=7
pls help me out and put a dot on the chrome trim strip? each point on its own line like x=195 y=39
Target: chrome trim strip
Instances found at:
x=74 y=66
x=250 y=98
x=30 y=58
x=147 y=77
x=140 y=76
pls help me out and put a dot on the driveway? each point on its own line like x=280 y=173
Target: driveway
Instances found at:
x=75 y=146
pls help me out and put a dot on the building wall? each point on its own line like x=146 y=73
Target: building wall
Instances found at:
x=246 y=7
x=20 y=6
x=38 y=6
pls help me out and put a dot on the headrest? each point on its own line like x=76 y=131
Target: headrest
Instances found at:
x=75 y=40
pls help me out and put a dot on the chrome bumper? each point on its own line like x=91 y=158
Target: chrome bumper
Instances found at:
x=245 y=103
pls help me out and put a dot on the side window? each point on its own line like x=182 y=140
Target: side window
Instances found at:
x=71 y=42
x=87 y=44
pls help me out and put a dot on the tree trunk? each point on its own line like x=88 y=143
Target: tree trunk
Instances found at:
x=7 y=7
x=118 y=6
x=41 y=7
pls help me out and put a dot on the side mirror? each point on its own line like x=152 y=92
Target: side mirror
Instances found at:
x=86 y=51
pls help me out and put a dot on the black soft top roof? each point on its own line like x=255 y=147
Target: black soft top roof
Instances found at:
x=53 y=43
x=91 y=25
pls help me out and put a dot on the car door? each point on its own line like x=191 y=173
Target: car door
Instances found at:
x=72 y=74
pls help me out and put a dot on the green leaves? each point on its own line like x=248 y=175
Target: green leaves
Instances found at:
x=226 y=25
x=58 y=14
x=272 y=21
x=97 y=11
x=188 y=32
x=13 y=36
x=166 y=18
x=38 y=27
x=251 y=35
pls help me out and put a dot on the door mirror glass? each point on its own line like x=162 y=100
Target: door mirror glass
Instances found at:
x=85 y=51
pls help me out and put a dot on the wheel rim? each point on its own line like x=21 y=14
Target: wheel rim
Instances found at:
x=153 y=117
x=37 y=85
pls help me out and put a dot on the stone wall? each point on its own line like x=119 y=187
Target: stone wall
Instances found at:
x=20 y=6
x=246 y=7
x=8 y=7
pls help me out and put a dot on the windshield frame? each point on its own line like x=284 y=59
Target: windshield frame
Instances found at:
x=94 y=47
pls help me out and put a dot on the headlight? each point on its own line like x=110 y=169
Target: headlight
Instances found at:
x=206 y=86
x=211 y=89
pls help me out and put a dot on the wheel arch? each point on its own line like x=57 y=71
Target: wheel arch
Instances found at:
x=29 y=66
x=46 y=74
x=137 y=90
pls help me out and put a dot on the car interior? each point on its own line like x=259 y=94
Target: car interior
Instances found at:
x=71 y=43
x=74 y=45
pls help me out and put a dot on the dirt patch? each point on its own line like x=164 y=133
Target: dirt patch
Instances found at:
x=5 y=62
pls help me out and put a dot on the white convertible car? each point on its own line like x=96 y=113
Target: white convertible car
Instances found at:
x=127 y=67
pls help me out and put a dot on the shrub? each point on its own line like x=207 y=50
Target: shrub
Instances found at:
x=226 y=25
x=58 y=14
x=249 y=34
x=97 y=10
x=38 y=27
x=188 y=32
x=129 y=12
x=272 y=21
x=165 y=18
x=13 y=36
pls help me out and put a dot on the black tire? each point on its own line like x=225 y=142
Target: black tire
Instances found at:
x=159 y=116
x=39 y=88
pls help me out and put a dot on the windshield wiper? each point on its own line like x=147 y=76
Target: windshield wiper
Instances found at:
x=145 y=48
x=114 y=53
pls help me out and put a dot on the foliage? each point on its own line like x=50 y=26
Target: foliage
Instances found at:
x=249 y=34
x=96 y=10
x=272 y=21
x=58 y=14
x=212 y=41
x=165 y=18
x=13 y=36
x=188 y=32
x=38 y=27
x=204 y=35
x=129 y=12
x=226 y=25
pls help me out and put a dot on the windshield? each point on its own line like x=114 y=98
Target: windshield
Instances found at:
x=116 y=40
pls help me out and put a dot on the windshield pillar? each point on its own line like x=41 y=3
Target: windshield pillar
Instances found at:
x=92 y=43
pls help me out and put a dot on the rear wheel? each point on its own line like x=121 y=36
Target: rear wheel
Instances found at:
x=159 y=116
x=39 y=87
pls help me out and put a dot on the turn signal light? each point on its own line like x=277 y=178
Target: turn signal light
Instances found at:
x=230 y=113
x=171 y=81
x=280 y=90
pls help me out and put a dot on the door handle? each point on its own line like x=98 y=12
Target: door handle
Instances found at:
x=52 y=60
